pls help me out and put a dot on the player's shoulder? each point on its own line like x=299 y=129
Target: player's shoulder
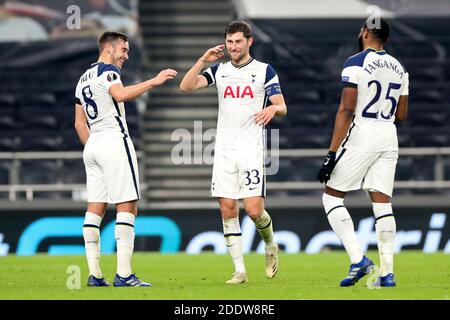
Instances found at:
x=217 y=66
x=213 y=69
x=395 y=60
x=357 y=60
x=223 y=65
x=257 y=64
x=104 y=67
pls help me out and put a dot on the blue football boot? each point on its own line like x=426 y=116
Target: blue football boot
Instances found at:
x=387 y=281
x=130 y=281
x=357 y=271
x=97 y=282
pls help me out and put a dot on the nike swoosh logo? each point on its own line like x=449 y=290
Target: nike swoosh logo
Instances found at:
x=252 y=188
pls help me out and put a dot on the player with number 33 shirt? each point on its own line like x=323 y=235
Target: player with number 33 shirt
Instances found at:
x=244 y=86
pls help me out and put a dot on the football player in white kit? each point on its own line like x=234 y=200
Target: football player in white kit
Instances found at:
x=364 y=148
x=243 y=87
x=109 y=155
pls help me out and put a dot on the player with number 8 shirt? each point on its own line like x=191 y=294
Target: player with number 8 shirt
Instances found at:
x=109 y=156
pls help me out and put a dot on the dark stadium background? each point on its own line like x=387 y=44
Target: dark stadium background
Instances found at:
x=41 y=171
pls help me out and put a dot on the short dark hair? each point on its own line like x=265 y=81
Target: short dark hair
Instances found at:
x=239 y=26
x=110 y=36
x=381 y=33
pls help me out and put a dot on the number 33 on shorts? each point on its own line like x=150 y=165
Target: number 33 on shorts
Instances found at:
x=252 y=179
x=238 y=175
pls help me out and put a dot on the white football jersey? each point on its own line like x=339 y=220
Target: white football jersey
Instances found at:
x=380 y=80
x=242 y=92
x=106 y=117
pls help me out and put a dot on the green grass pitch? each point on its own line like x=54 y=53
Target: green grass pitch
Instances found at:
x=192 y=277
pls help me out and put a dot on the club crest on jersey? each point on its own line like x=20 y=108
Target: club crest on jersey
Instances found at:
x=238 y=92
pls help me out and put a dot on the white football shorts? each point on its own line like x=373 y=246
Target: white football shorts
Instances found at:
x=111 y=170
x=369 y=171
x=238 y=174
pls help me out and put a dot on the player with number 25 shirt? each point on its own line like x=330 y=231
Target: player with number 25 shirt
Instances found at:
x=364 y=148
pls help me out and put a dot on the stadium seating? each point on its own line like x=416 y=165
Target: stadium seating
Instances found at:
x=38 y=103
x=404 y=168
x=423 y=168
x=37 y=106
x=310 y=79
x=308 y=60
x=447 y=168
x=39 y=139
x=5 y=167
x=9 y=142
x=39 y=172
x=72 y=172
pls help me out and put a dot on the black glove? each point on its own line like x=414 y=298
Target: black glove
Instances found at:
x=327 y=167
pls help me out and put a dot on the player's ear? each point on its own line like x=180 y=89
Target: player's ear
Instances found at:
x=109 y=48
x=366 y=33
x=250 y=41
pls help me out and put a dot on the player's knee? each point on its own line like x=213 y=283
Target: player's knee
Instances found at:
x=130 y=207
x=254 y=212
x=228 y=211
x=97 y=208
x=379 y=197
x=228 y=214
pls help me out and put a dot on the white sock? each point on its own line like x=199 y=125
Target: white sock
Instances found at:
x=124 y=233
x=342 y=225
x=385 y=228
x=233 y=238
x=91 y=235
x=264 y=226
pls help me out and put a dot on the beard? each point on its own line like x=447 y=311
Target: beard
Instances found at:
x=240 y=56
x=360 y=44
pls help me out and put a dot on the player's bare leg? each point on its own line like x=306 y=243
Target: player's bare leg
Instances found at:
x=385 y=228
x=91 y=234
x=254 y=206
x=124 y=233
x=229 y=209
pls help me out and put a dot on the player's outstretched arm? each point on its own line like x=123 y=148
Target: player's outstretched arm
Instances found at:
x=81 y=124
x=402 y=109
x=277 y=108
x=192 y=81
x=121 y=93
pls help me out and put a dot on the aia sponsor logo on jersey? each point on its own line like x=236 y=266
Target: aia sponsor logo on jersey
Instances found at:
x=238 y=92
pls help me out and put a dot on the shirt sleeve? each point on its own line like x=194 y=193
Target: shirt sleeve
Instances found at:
x=111 y=77
x=210 y=74
x=405 y=85
x=271 y=83
x=77 y=99
x=350 y=77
